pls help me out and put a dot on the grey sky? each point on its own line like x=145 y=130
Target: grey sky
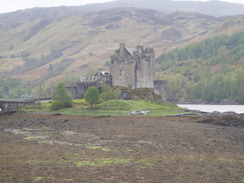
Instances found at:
x=13 y=5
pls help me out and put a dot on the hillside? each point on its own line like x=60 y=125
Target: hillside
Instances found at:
x=50 y=46
x=211 y=70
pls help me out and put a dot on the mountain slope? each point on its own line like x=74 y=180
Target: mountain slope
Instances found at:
x=88 y=38
x=45 y=49
x=212 y=8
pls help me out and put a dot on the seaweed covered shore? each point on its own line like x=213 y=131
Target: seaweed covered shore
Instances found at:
x=59 y=148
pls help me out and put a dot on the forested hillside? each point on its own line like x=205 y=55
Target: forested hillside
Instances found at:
x=212 y=70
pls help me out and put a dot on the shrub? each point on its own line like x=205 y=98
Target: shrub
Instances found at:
x=92 y=95
x=56 y=105
x=60 y=98
x=109 y=93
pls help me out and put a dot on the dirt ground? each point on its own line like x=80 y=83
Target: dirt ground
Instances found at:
x=57 y=148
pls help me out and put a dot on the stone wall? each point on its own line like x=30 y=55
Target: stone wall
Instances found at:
x=132 y=67
x=123 y=74
x=144 y=74
x=78 y=89
x=9 y=106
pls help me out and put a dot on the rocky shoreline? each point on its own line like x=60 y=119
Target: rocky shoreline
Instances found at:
x=58 y=148
x=224 y=119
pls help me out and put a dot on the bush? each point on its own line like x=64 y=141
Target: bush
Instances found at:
x=109 y=93
x=146 y=94
x=56 y=105
x=60 y=98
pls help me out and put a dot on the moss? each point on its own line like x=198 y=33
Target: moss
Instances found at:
x=45 y=142
x=39 y=178
x=98 y=148
x=34 y=162
x=146 y=94
x=128 y=150
x=103 y=162
x=46 y=128
x=38 y=162
x=145 y=163
x=34 y=137
x=74 y=156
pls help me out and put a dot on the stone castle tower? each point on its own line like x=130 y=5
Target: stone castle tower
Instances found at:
x=132 y=67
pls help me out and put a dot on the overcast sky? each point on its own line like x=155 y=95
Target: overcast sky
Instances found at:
x=13 y=5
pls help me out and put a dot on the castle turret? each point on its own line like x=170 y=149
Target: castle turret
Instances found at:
x=122 y=49
x=140 y=49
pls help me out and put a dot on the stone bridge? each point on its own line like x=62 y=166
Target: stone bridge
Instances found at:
x=9 y=106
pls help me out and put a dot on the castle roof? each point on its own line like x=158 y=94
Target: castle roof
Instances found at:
x=131 y=50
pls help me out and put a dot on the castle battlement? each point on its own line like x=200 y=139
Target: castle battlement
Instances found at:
x=132 y=55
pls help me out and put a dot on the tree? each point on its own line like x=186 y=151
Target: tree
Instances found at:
x=109 y=93
x=92 y=95
x=60 y=98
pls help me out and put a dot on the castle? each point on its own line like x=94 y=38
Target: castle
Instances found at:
x=130 y=68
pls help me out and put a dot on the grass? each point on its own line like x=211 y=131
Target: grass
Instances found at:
x=115 y=105
x=111 y=107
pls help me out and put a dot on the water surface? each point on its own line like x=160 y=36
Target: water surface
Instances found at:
x=210 y=108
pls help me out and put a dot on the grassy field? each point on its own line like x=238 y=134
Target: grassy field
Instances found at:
x=111 y=107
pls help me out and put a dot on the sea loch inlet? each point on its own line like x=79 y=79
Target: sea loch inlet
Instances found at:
x=211 y=108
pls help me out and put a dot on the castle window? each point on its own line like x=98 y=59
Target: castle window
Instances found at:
x=137 y=66
x=120 y=72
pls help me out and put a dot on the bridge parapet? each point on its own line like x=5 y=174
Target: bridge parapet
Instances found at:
x=10 y=105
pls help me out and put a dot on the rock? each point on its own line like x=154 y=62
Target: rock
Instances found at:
x=229 y=113
x=136 y=113
x=216 y=113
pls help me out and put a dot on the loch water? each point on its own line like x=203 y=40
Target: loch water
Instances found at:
x=211 y=108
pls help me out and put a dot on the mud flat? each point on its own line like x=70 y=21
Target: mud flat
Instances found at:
x=57 y=148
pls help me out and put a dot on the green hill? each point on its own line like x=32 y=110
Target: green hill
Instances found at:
x=211 y=70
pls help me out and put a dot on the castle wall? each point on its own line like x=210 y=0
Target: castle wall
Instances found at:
x=78 y=89
x=123 y=74
x=132 y=67
x=144 y=74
